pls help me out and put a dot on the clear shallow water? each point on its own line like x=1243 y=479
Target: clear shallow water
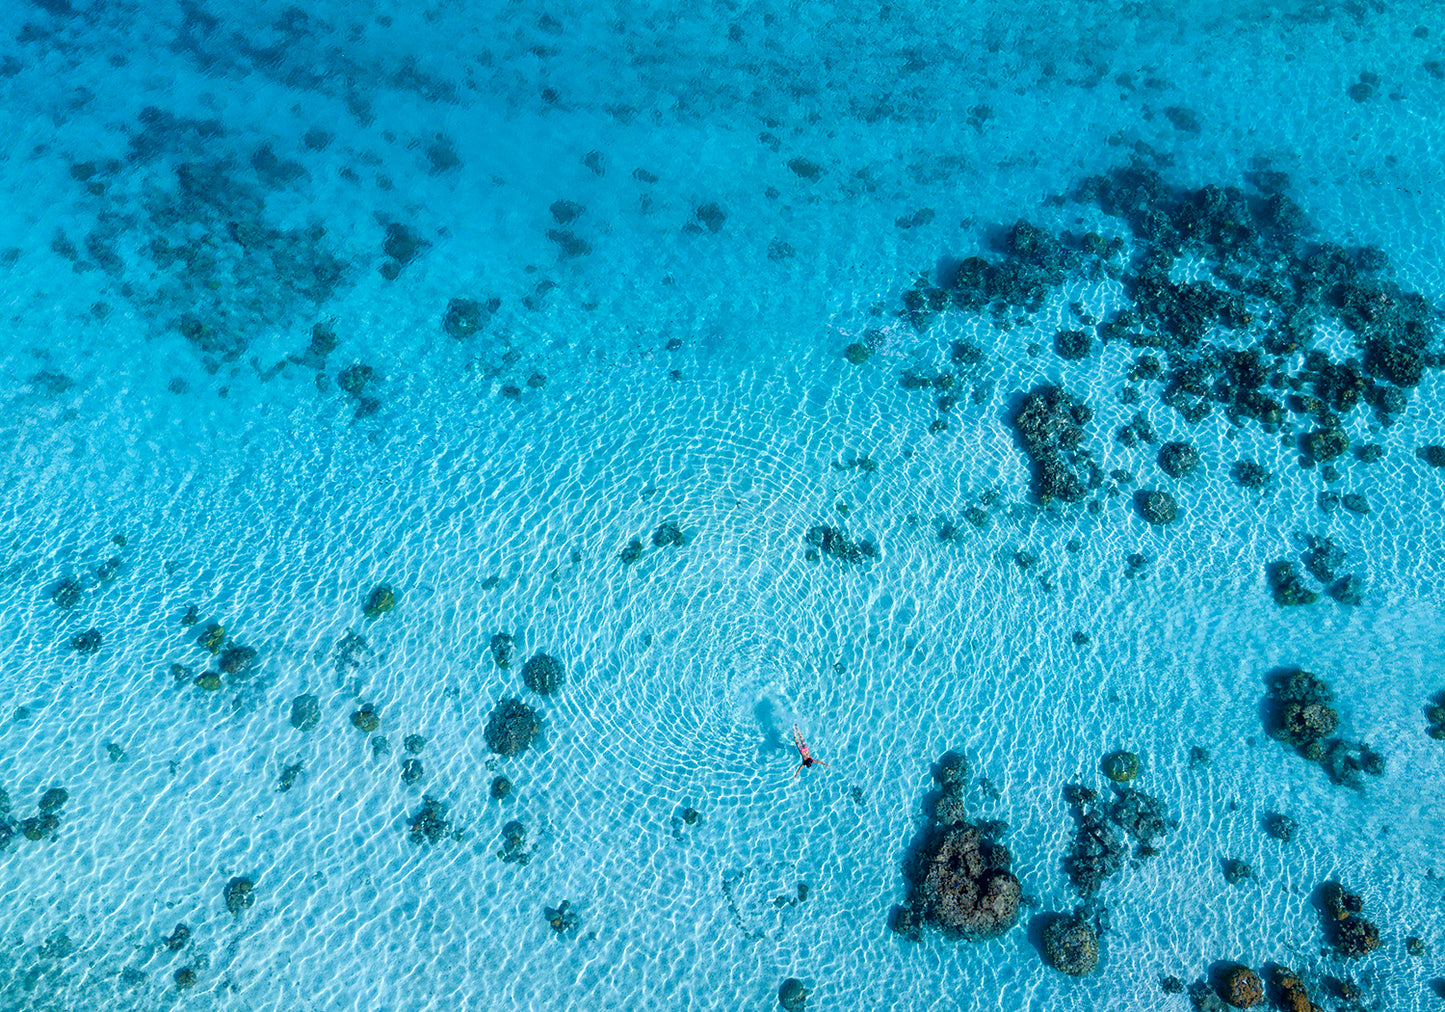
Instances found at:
x=264 y=501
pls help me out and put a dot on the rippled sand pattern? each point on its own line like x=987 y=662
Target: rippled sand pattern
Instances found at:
x=240 y=390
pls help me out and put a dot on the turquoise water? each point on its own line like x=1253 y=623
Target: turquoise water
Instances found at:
x=191 y=190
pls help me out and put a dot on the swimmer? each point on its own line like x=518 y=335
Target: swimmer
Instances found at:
x=808 y=759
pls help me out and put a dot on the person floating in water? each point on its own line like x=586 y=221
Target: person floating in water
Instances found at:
x=808 y=759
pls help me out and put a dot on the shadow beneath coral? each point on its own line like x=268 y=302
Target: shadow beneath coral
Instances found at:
x=1037 y=925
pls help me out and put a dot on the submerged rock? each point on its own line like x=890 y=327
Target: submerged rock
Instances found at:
x=502 y=646
x=669 y=533
x=1432 y=454
x=1280 y=826
x=402 y=245
x=966 y=889
x=1071 y=945
x=1345 y=761
x=366 y=718
x=1236 y=872
x=792 y=995
x=542 y=674
x=430 y=823
x=1435 y=717
x=952 y=769
x=514 y=842
x=1121 y=766
x=1073 y=345
x=1157 y=507
x=86 y=643
x=305 y=712
x=1141 y=815
x=380 y=601
x=464 y=318
x=40 y=827
x=1050 y=424
x=1289 y=992
x=66 y=594
x=835 y=543
x=288 y=777
x=237 y=661
x=348 y=652
x=354 y=379
x=1298 y=713
x=950 y=808
x=1288 y=586
x=958 y=872
x=212 y=637
x=564 y=212
x=1178 y=459
x=1203 y=999
x=240 y=894
x=1326 y=444
x=1098 y=851
x=1323 y=557
x=1348 y=590
x=511 y=727
x=563 y=919
x=1268 y=280
x=1250 y=474
x=1348 y=930
x=1240 y=987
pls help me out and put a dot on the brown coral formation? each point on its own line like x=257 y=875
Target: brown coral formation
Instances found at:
x=967 y=889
